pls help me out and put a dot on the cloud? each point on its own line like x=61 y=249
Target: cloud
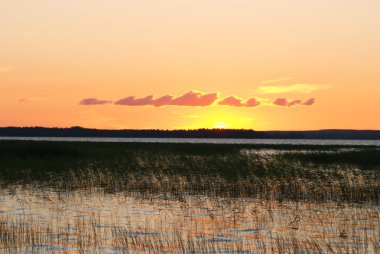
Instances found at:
x=24 y=99
x=281 y=102
x=295 y=88
x=162 y=101
x=309 y=102
x=279 y=80
x=290 y=103
x=238 y=102
x=195 y=98
x=253 y=102
x=294 y=103
x=93 y=101
x=198 y=99
x=31 y=98
x=132 y=101
x=192 y=98
x=4 y=69
x=232 y=101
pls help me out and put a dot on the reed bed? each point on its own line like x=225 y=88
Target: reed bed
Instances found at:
x=216 y=170
x=85 y=222
x=73 y=197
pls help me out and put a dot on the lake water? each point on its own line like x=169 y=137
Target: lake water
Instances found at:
x=208 y=141
x=42 y=221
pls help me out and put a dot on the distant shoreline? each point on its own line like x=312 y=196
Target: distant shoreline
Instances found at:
x=248 y=143
x=79 y=132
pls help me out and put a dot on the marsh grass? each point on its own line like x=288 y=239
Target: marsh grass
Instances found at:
x=73 y=197
x=85 y=222
x=320 y=174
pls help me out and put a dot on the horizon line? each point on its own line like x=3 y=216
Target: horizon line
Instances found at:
x=189 y=129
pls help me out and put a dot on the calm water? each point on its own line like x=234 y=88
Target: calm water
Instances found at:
x=41 y=221
x=208 y=141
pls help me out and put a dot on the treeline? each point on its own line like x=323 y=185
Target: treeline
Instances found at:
x=199 y=133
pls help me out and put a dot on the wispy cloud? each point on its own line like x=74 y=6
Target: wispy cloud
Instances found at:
x=253 y=102
x=4 y=69
x=132 y=101
x=235 y=101
x=199 y=99
x=284 y=102
x=195 y=98
x=294 y=88
x=93 y=101
x=192 y=98
x=232 y=101
x=279 y=80
x=24 y=99
x=309 y=102
x=31 y=98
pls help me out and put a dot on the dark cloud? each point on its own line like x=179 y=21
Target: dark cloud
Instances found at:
x=197 y=98
x=281 y=102
x=294 y=103
x=93 y=101
x=162 y=101
x=253 y=102
x=309 y=102
x=132 y=101
x=192 y=98
x=232 y=101
x=290 y=103
x=238 y=102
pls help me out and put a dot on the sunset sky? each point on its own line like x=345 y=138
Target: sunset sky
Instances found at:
x=170 y=64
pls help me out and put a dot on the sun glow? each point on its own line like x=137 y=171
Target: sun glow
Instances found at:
x=221 y=125
x=215 y=118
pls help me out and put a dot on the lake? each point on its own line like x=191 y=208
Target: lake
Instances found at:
x=322 y=142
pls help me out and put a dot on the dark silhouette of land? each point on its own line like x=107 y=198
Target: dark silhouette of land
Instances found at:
x=200 y=133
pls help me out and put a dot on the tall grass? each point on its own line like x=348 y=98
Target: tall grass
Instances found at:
x=320 y=174
x=74 y=197
x=86 y=222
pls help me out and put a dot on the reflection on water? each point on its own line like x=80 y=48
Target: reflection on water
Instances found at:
x=82 y=221
x=209 y=141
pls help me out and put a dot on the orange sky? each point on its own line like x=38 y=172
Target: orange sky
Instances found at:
x=54 y=54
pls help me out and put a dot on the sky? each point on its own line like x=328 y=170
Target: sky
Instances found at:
x=174 y=64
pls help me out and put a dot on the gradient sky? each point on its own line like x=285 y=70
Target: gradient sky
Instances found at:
x=77 y=62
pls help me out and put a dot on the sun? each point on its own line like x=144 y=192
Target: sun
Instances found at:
x=215 y=118
x=220 y=125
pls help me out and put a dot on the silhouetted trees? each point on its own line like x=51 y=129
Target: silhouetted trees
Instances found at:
x=199 y=133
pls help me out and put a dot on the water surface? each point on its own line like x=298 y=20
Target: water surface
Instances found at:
x=321 y=142
x=42 y=221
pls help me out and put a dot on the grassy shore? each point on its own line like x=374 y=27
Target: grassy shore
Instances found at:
x=282 y=172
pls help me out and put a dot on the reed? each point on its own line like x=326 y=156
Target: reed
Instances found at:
x=221 y=170
x=196 y=224
x=58 y=197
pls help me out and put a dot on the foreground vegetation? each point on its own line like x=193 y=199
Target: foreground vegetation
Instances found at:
x=84 y=221
x=73 y=197
x=313 y=173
